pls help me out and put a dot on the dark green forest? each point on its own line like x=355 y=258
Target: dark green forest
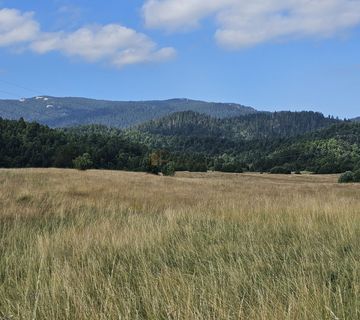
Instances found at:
x=260 y=125
x=24 y=144
x=296 y=141
x=280 y=142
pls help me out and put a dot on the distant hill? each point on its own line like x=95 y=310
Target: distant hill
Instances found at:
x=260 y=142
x=67 y=112
x=331 y=149
x=192 y=135
x=356 y=119
x=259 y=125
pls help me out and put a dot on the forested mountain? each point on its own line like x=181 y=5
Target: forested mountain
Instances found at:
x=356 y=119
x=67 y=112
x=332 y=149
x=261 y=141
x=259 y=125
x=191 y=141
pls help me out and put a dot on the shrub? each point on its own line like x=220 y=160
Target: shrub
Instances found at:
x=346 y=177
x=328 y=168
x=156 y=162
x=280 y=170
x=297 y=172
x=153 y=169
x=168 y=169
x=357 y=176
x=83 y=162
x=231 y=167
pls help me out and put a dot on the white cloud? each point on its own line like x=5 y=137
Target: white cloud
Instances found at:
x=180 y=14
x=68 y=16
x=16 y=27
x=243 y=23
x=112 y=43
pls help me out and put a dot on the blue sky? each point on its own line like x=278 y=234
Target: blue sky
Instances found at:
x=269 y=54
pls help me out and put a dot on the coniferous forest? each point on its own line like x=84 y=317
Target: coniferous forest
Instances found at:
x=279 y=142
x=24 y=144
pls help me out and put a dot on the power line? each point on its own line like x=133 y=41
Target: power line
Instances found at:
x=10 y=94
x=20 y=86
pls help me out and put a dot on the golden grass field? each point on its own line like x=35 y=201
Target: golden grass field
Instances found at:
x=119 y=245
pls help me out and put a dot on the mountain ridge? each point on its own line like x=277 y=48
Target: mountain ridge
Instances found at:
x=326 y=146
x=73 y=111
x=260 y=125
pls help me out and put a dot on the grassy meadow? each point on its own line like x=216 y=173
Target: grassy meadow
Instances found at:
x=119 y=245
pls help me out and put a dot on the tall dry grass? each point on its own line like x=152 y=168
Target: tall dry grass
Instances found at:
x=116 y=245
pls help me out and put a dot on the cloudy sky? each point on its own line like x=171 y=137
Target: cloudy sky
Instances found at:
x=269 y=54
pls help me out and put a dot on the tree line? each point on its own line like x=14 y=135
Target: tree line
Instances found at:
x=333 y=149
x=25 y=144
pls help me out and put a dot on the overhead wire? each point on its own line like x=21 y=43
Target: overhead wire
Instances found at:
x=13 y=84
x=10 y=94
